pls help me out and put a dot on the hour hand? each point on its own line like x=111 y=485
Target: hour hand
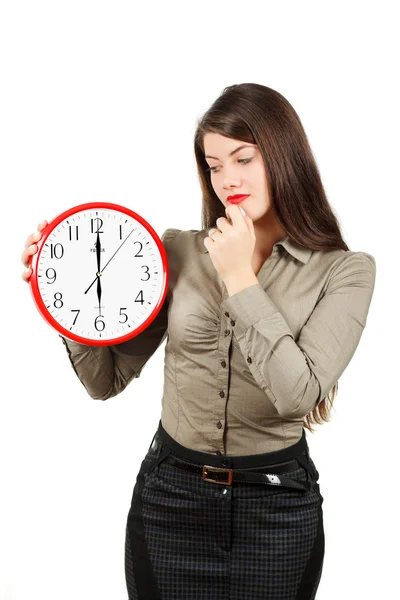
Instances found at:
x=99 y=290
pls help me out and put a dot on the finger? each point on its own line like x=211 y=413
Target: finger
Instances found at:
x=250 y=226
x=32 y=238
x=42 y=225
x=249 y=222
x=27 y=253
x=247 y=219
x=236 y=215
x=208 y=239
x=30 y=243
x=215 y=234
x=208 y=242
x=26 y=274
x=222 y=223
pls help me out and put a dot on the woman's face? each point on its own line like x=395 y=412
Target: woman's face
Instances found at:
x=241 y=172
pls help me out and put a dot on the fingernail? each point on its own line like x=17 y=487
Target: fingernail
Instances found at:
x=243 y=212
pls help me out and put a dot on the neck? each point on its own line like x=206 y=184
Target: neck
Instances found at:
x=268 y=231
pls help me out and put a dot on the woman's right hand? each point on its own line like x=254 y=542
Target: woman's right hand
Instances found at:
x=31 y=248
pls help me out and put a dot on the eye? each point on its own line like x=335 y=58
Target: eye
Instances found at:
x=243 y=161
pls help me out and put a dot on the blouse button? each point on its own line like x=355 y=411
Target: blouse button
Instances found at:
x=249 y=359
x=232 y=323
x=219 y=424
x=222 y=393
x=223 y=363
x=227 y=331
x=226 y=314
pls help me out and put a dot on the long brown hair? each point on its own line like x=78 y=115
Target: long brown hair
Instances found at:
x=256 y=114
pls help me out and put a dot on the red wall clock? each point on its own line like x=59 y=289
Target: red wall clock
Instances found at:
x=100 y=275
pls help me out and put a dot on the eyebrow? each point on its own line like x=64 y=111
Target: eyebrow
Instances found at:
x=233 y=151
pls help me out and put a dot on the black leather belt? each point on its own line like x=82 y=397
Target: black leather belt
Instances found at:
x=225 y=476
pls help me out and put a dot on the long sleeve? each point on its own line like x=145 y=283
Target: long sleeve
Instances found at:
x=105 y=371
x=297 y=375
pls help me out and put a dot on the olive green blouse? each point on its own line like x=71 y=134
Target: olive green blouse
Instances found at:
x=241 y=372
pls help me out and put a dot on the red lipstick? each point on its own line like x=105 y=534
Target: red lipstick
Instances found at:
x=237 y=198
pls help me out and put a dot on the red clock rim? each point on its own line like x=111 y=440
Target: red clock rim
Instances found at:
x=34 y=286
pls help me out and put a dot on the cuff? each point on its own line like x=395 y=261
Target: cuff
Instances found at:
x=251 y=305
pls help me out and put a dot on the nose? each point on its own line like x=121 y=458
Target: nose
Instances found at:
x=230 y=183
x=231 y=177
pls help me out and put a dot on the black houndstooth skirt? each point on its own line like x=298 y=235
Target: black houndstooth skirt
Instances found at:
x=188 y=538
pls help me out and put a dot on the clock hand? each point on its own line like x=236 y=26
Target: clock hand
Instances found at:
x=109 y=260
x=99 y=292
x=98 y=251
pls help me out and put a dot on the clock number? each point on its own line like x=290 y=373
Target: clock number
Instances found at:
x=53 y=277
x=70 y=232
x=120 y=232
x=102 y=322
x=54 y=251
x=141 y=296
x=98 y=226
x=125 y=315
x=141 y=246
x=58 y=300
x=77 y=311
x=146 y=267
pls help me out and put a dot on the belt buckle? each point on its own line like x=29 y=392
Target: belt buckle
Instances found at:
x=217 y=469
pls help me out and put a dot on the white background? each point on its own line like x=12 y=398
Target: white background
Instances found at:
x=99 y=102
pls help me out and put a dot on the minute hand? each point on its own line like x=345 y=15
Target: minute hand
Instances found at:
x=95 y=279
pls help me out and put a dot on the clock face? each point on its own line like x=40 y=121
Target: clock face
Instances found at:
x=100 y=274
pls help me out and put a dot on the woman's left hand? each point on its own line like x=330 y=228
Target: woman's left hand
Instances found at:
x=231 y=246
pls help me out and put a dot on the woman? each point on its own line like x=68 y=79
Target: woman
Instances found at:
x=264 y=311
